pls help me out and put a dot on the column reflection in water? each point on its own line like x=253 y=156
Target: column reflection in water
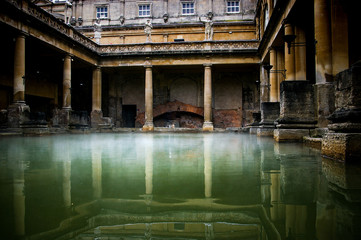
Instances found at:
x=19 y=198
x=148 y=168
x=96 y=151
x=299 y=180
x=339 y=209
x=207 y=146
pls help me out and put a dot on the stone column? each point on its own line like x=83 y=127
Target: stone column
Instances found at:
x=67 y=83
x=273 y=75
x=300 y=54
x=289 y=55
x=323 y=38
x=97 y=89
x=208 y=124
x=18 y=112
x=339 y=26
x=324 y=76
x=19 y=70
x=148 y=126
x=280 y=75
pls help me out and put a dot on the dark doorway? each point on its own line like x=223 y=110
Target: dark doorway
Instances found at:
x=129 y=113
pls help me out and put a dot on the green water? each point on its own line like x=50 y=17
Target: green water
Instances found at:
x=173 y=186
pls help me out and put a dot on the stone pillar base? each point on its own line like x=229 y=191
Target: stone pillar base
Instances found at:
x=264 y=131
x=98 y=121
x=288 y=134
x=148 y=127
x=207 y=127
x=253 y=130
x=18 y=113
x=61 y=117
x=345 y=147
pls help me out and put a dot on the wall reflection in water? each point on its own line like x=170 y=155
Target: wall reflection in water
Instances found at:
x=190 y=186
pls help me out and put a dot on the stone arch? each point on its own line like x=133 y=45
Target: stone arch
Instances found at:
x=184 y=90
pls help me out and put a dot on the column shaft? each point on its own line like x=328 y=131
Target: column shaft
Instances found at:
x=280 y=75
x=300 y=54
x=273 y=75
x=97 y=90
x=207 y=125
x=323 y=38
x=19 y=70
x=148 y=126
x=67 y=82
x=289 y=57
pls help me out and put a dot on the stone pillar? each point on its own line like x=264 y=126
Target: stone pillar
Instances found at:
x=280 y=67
x=67 y=83
x=148 y=126
x=323 y=38
x=300 y=54
x=270 y=111
x=289 y=55
x=19 y=70
x=273 y=75
x=18 y=112
x=324 y=74
x=96 y=114
x=208 y=124
x=97 y=89
x=339 y=26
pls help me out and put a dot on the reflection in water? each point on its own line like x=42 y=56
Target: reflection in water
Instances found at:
x=173 y=186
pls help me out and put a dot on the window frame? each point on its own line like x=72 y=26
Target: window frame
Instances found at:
x=102 y=13
x=182 y=3
x=141 y=4
x=235 y=1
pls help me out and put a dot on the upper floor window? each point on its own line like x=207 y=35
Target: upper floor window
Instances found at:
x=102 y=12
x=233 y=7
x=144 y=10
x=188 y=8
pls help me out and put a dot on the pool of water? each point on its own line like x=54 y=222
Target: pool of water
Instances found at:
x=173 y=186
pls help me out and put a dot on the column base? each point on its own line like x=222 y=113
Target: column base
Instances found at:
x=265 y=131
x=345 y=147
x=288 y=134
x=208 y=127
x=98 y=121
x=148 y=127
x=18 y=113
x=253 y=130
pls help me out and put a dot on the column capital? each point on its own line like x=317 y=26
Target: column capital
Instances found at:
x=207 y=64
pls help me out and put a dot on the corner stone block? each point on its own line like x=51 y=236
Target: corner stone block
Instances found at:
x=345 y=147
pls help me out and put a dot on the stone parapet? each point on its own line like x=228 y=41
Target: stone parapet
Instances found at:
x=17 y=114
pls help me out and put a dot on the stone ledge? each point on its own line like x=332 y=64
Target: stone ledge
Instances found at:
x=289 y=135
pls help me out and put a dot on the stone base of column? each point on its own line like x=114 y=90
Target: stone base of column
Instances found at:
x=345 y=147
x=325 y=102
x=290 y=135
x=265 y=131
x=208 y=127
x=18 y=113
x=61 y=118
x=148 y=127
x=253 y=130
x=98 y=121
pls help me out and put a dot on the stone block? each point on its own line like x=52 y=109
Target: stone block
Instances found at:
x=325 y=96
x=17 y=115
x=297 y=103
x=345 y=147
x=270 y=112
x=98 y=121
x=265 y=131
x=297 y=135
